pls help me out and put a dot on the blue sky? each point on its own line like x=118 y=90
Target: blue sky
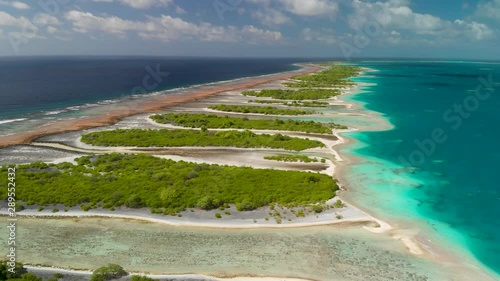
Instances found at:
x=468 y=29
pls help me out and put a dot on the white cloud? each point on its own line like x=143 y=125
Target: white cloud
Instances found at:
x=45 y=19
x=489 y=10
x=395 y=16
x=303 y=7
x=179 y=10
x=167 y=28
x=51 y=29
x=15 y=4
x=140 y=4
x=270 y=17
x=310 y=7
x=324 y=35
x=22 y=22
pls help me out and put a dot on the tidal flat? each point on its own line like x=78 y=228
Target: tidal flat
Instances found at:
x=313 y=253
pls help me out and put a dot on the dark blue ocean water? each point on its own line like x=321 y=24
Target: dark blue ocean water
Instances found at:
x=447 y=130
x=40 y=84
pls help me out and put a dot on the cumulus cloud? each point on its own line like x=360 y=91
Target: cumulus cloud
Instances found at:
x=302 y=7
x=140 y=4
x=9 y=20
x=270 y=17
x=325 y=35
x=310 y=7
x=168 y=28
x=489 y=10
x=15 y=4
x=45 y=19
x=394 y=16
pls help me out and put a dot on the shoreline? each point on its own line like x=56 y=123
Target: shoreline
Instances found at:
x=151 y=104
x=180 y=277
x=417 y=237
x=411 y=243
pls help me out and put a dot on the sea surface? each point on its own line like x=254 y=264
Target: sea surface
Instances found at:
x=439 y=165
x=53 y=88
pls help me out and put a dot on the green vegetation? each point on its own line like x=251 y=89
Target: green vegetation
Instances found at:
x=301 y=94
x=267 y=110
x=339 y=204
x=218 y=215
x=226 y=122
x=334 y=76
x=109 y=272
x=173 y=138
x=294 y=103
x=300 y=213
x=5 y=274
x=291 y=158
x=141 y=278
x=146 y=181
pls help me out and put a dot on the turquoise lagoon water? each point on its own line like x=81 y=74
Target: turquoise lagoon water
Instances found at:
x=440 y=163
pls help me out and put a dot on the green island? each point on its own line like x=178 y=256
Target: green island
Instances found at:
x=300 y=94
x=267 y=110
x=180 y=137
x=193 y=120
x=292 y=158
x=293 y=103
x=166 y=186
x=105 y=273
x=334 y=76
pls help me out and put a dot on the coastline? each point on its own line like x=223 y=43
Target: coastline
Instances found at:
x=419 y=238
x=151 y=104
x=413 y=246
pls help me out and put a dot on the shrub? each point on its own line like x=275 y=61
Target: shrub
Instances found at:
x=134 y=202
x=109 y=272
x=300 y=213
x=85 y=208
x=339 y=204
x=19 y=270
x=55 y=210
x=141 y=278
x=217 y=215
x=245 y=206
x=317 y=209
x=18 y=206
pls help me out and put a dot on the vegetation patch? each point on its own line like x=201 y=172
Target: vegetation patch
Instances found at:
x=219 y=122
x=301 y=94
x=334 y=76
x=291 y=158
x=145 y=181
x=176 y=138
x=294 y=103
x=267 y=110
